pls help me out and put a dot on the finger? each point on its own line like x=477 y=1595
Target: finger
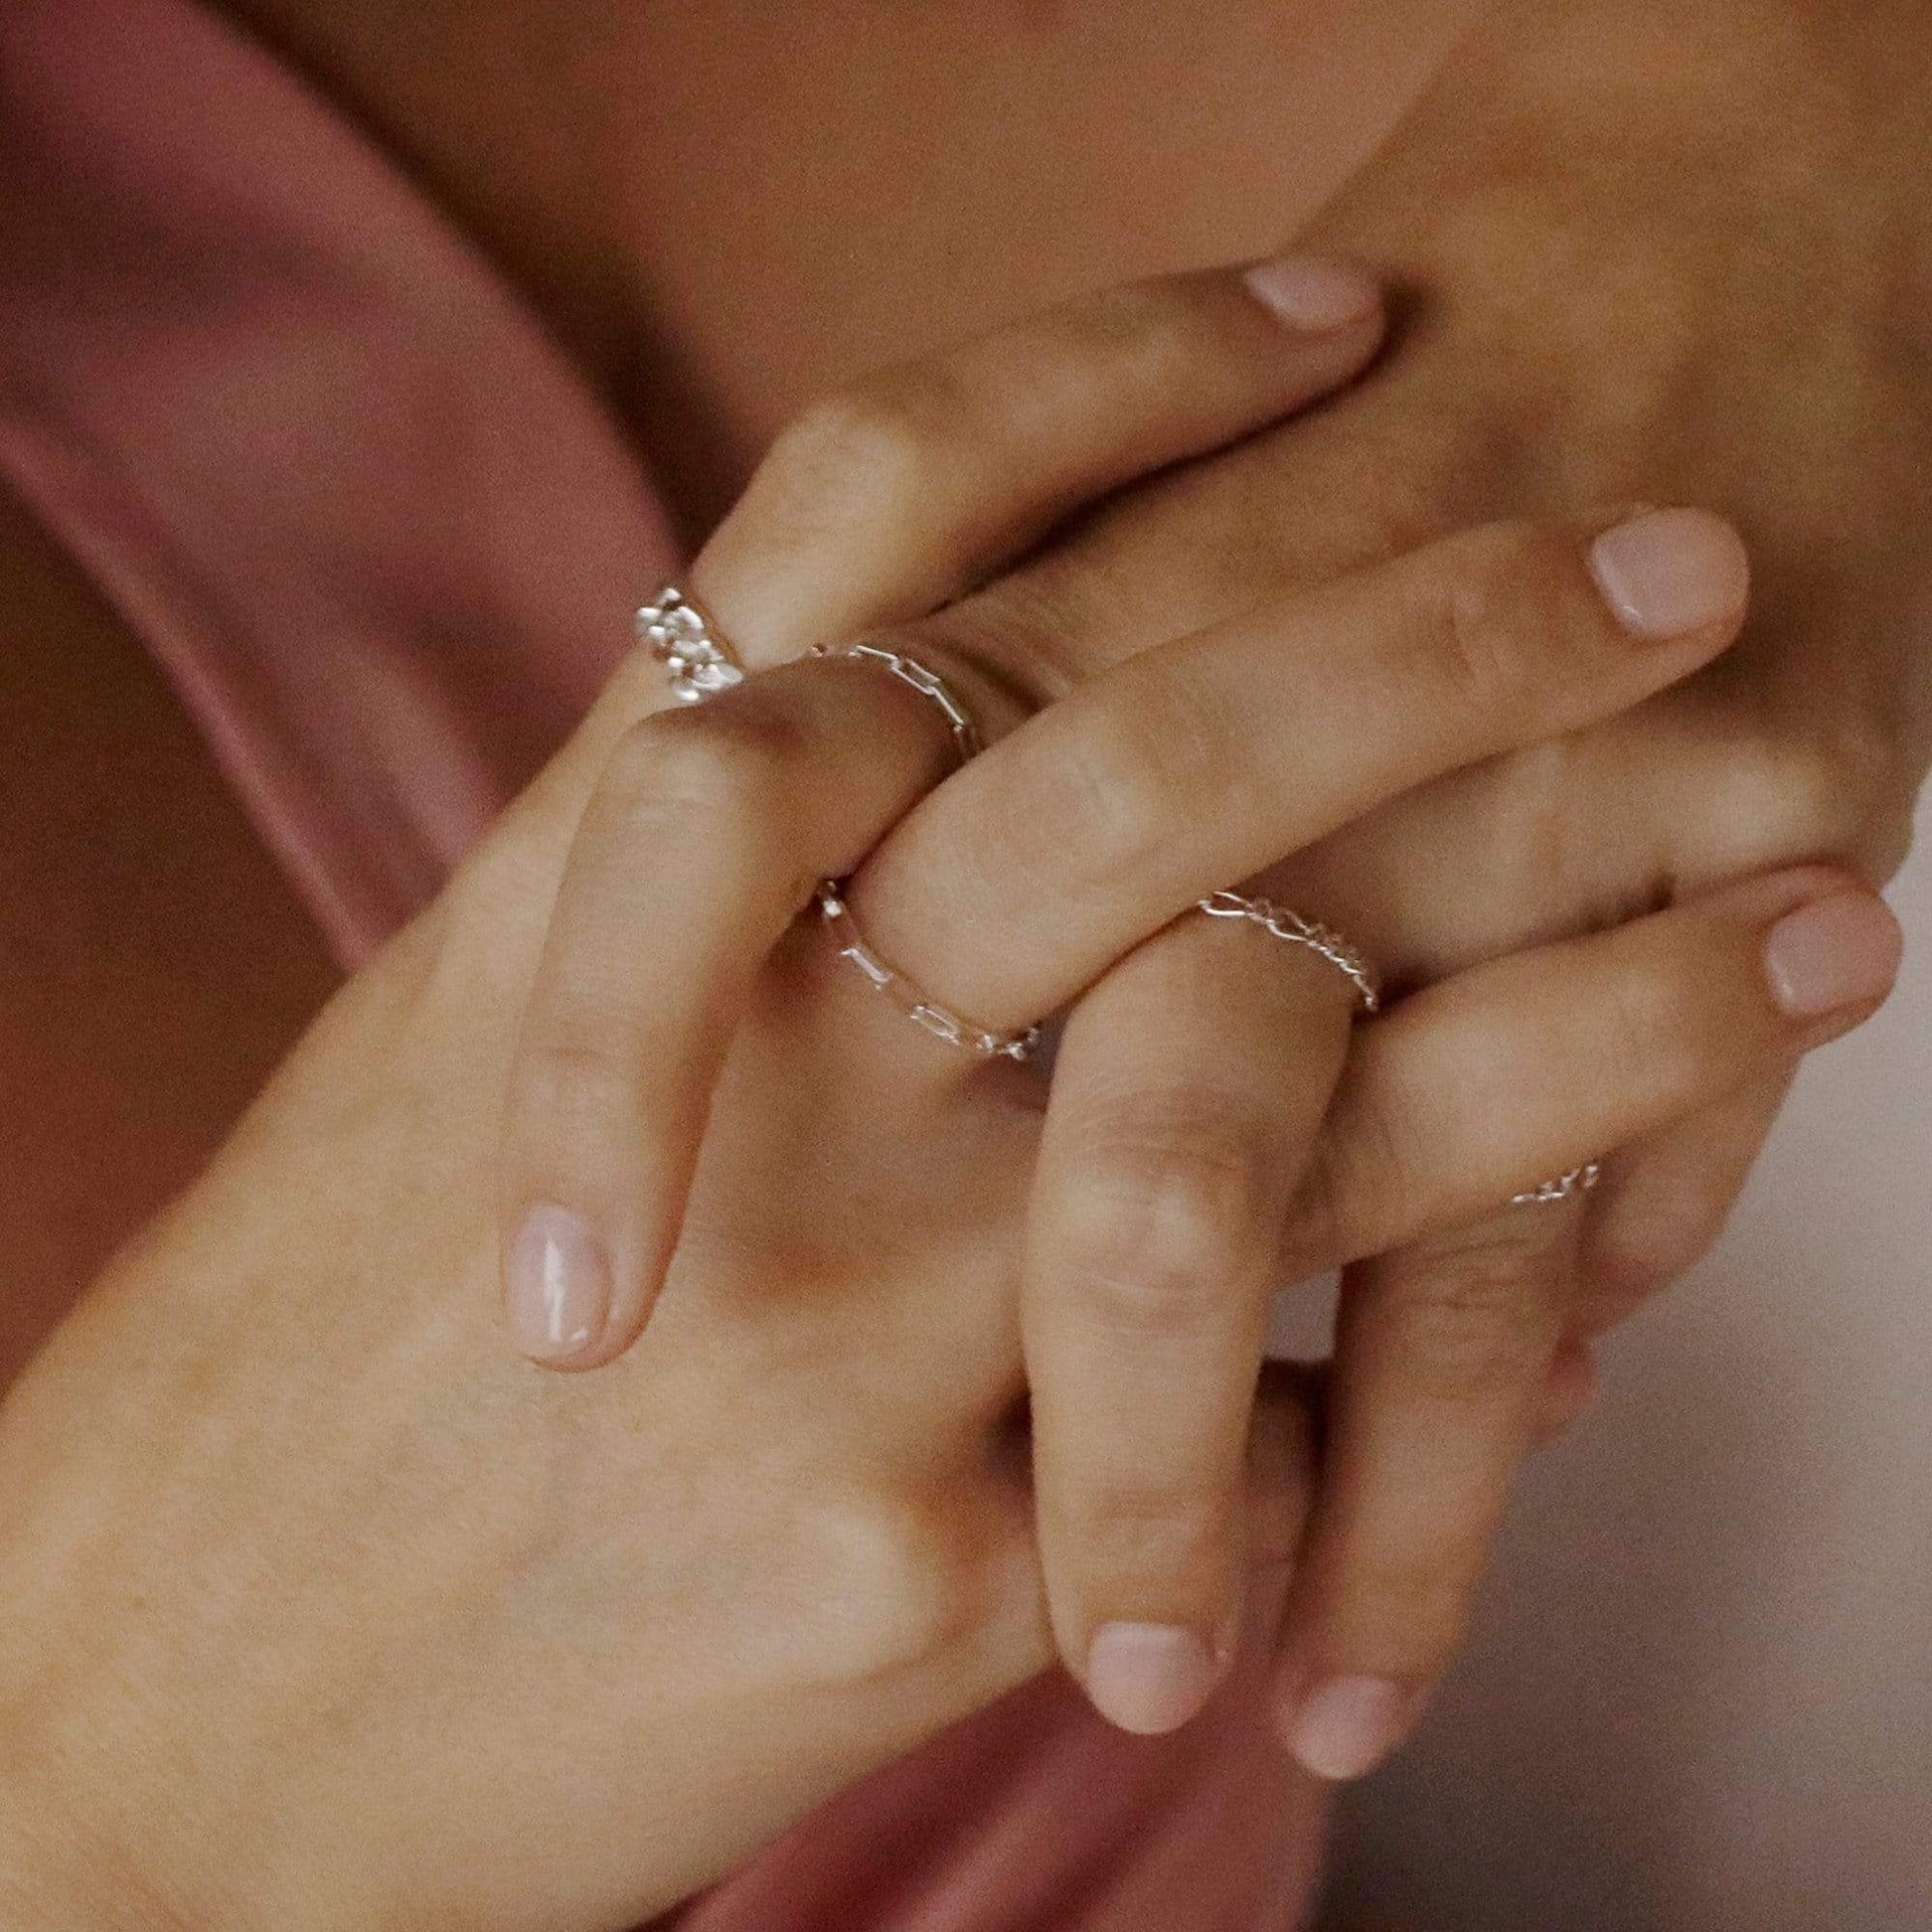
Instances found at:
x=1201 y=762
x=702 y=840
x=897 y=495
x=1665 y=1200
x=880 y=503
x=1172 y=1148
x=1443 y=1352
x=1570 y=1388
x=1671 y=797
x=1476 y=1088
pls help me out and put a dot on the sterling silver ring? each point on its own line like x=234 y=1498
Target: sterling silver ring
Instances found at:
x=1294 y=931
x=680 y=637
x=921 y=678
x=1566 y=1187
x=938 y=1021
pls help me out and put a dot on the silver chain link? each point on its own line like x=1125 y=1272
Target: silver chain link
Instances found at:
x=1566 y=1187
x=922 y=678
x=1290 y=926
x=906 y=997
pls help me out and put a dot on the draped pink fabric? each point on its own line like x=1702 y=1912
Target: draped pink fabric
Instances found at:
x=386 y=545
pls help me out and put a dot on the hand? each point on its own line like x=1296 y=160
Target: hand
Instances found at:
x=324 y=1611
x=1087 y=830
x=1586 y=330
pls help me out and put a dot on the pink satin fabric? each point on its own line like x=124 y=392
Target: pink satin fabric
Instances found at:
x=386 y=545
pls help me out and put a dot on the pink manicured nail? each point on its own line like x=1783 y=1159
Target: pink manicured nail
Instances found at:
x=1312 y=295
x=1670 y=571
x=559 y=1285
x=1148 y=1678
x=1833 y=955
x=1348 y=1726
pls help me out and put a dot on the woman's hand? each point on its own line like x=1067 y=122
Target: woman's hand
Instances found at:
x=326 y=1611
x=1175 y=1152
x=1569 y=212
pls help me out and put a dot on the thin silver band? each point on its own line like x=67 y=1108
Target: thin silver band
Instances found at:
x=922 y=678
x=1294 y=931
x=940 y=1021
x=935 y=1019
x=1566 y=1187
x=680 y=635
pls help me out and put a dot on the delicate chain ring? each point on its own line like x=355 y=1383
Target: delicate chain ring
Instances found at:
x=1291 y=927
x=935 y=1019
x=680 y=635
x=1566 y=1187
x=940 y=1022
x=922 y=678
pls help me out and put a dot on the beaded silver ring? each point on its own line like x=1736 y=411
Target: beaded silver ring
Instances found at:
x=680 y=636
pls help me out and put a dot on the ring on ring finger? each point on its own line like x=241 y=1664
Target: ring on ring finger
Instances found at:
x=1566 y=1187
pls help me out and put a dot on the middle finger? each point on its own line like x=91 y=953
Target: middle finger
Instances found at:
x=1171 y=1149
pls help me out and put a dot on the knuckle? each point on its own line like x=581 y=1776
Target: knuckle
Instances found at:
x=1495 y=610
x=1147 y=332
x=1819 y=798
x=887 y=1583
x=1173 y=1196
x=882 y=435
x=1665 y=1035
x=1365 y=1176
x=1148 y=1527
x=727 y=765
x=568 y=1076
x=1475 y=1328
x=1631 y=1256
x=1102 y=801
x=1034 y=630
x=1417 y=1600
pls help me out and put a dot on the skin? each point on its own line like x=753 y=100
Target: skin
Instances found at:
x=290 y=1662
x=1866 y=606
x=1656 y=366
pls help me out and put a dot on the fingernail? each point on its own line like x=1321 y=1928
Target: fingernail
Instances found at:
x=1670 y=571
x=1348 y=1726
x=1832 y=954
x=1314 y=296
x=1148 y=1678
x=559 y=1284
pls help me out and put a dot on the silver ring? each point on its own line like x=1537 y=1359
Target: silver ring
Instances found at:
x=940 y=1021
x=935 y=1019
x=1291 y=927
x=922 y=678
x=1566 y=1187
x=680 y=636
